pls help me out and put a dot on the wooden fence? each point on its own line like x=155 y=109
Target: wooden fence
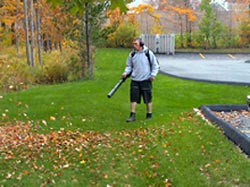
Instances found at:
x=160 y=43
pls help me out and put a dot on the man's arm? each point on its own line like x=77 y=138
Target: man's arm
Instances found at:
x=154 y=65
x=128 y=68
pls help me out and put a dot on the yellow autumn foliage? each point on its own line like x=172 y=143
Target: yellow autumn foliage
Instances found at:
x=115 y=16
x=142 y=8
x=184 y=11
x=157 y=28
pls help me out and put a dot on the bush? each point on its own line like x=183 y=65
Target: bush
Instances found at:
x=123 y=36
x=57 y=67
x=225 y=40
x=244 y=39
x=102 y=39
x=56 y=72
x=14 y=75
x=74 y=67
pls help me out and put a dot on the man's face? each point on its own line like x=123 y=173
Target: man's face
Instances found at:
x=136 y=45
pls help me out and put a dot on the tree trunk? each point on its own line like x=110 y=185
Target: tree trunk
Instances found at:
x=190 y=35
x=181 y=33
x=32 y=34
x=87 y=35
x=188 y=25
x=26 y=24
x=17 y=30
x=38 y=33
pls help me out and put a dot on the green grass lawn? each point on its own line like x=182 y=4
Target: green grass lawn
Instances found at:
x=73 y=135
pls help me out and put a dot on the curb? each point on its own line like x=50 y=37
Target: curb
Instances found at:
x=210 y=52
x=204 y=80
x=230 y=131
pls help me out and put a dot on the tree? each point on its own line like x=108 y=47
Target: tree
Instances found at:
x=217 y=29
x=120 y=29
x=29 y=26
x=209 y=26
x=32 y=38
x=206 y=22
x=123 y=35
x=245 y=33
x=149 y=10
x=87 y=37
x=26 y=25
x=85 y=10
x=182 y=15
x=10 y=16
x=190 y=18
x=39 y=45
x=244 y=16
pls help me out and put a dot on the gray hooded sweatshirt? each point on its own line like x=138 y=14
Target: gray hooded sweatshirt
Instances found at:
x=140 y=67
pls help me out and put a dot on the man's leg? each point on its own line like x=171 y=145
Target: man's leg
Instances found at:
x=147 y=96
x=134 y=98
x=149 y=110
x=133 y=107
x=149 y=107
x=132 y=112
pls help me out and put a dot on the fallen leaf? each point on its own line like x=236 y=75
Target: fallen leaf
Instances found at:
x=167 y=183
x=207 y=165
x=217 y=161
x=105 y=175
x=66 y=166
x=44 y=122
x=83 y=162
x=52 y=118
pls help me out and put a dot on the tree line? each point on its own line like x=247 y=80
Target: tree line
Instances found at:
x=46 y=25
x=43 y=26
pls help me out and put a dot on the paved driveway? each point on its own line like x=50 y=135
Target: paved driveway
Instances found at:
x=220 y=68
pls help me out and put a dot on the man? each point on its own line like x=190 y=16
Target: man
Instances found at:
x=143 y=67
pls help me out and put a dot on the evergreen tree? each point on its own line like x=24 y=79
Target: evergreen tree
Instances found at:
x=209 y=26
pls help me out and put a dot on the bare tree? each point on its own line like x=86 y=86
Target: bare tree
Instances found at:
x=17 y=35
x=87 y=35
x=32 y=38
x=188 y=25
x=26 y=24
x=39 y=45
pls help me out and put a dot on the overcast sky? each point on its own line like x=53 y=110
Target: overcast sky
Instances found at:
x=136 y=3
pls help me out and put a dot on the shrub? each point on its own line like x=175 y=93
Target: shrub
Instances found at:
x=57 y=67
x=74 y=67
x=56 y=72
x=123 y=36
x=103 y=36
x=14 y=75
x=244 y=39
x=53 y=70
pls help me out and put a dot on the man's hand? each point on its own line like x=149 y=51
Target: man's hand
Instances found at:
x=124 y=75
x=151 y=78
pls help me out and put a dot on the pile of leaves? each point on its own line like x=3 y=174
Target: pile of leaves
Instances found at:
x=97 y=156
x=146 y=156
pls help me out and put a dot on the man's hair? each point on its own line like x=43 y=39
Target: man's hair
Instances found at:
x=140 y=41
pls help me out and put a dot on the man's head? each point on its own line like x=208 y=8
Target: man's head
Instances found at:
x=138 y=44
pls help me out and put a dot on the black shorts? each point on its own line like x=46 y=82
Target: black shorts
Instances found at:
x=141 y=88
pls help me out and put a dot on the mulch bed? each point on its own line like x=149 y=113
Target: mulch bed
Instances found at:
x=239 y=119
x=234 y=120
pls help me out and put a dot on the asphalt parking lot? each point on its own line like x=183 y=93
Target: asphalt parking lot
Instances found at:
x=218 y=68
